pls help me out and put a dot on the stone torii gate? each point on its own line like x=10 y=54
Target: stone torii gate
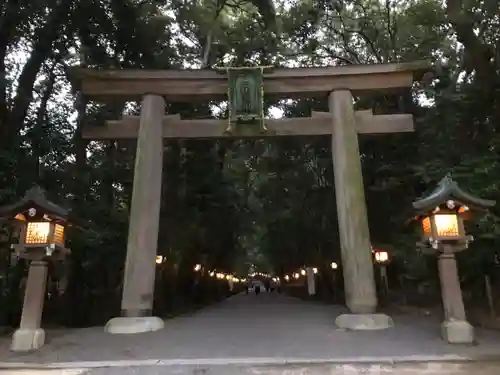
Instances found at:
x=342 y=123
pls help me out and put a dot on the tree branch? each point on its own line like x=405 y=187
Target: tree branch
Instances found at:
x=209 y=40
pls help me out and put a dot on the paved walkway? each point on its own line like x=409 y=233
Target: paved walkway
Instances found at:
x=264 y=327
x=321 y=369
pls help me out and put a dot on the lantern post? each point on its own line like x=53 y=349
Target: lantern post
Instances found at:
x=442 y=216
x=382 y=258
x=311 y=280
x=42 y=227
x=334 y=266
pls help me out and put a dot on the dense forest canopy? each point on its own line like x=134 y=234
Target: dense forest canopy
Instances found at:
x=232 y=203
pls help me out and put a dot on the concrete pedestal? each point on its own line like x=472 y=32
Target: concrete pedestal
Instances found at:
x=130 y=325
x=30 y=336
x=455 y=329
x=457 y=332
x=364 y=322
x=26 y=339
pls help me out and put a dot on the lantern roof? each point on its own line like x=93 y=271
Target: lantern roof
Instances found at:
x=34 y=197
x=448 y=189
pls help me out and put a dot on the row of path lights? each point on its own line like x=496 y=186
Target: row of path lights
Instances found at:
x=381 y=258
x=160 y=259
x=310 y=273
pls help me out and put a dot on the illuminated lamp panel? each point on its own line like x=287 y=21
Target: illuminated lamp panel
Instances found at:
x=447 y=225
x=37 y=233
x=426 y=226
x=381 y=256
x=59 y=234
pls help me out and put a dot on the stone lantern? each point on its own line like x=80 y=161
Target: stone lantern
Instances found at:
x=42 y=227
x=442 y=216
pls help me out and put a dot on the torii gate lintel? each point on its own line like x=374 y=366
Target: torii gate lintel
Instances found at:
x=319 y=123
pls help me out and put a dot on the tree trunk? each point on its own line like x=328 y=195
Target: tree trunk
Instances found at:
x=40 y=119
x=8 y=25
x=44 y=40
x=79 y=187
x=478 y=56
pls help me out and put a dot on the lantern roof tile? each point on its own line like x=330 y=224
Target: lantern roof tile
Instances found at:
x=34 y=196
x=448 y=189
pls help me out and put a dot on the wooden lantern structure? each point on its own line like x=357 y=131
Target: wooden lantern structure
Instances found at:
x=42 y=228
x=442 y=214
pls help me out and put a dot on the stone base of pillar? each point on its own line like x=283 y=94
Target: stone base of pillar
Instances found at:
x=457 y=332
x=130 y=325
x=364 y=322
x=26 y=340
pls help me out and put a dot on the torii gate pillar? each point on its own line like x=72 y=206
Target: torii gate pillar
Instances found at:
x=359 y=281
x=139 y=276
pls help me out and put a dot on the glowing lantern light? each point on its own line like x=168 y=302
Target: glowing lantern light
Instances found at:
x=381 y=256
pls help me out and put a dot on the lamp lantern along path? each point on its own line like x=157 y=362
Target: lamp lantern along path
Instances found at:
x=382 y=258
x=442 y=216
x=42 y=230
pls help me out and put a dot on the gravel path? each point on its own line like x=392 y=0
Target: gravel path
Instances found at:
x=249 y=326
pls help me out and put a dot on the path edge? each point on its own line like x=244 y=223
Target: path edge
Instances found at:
x=251 y=361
